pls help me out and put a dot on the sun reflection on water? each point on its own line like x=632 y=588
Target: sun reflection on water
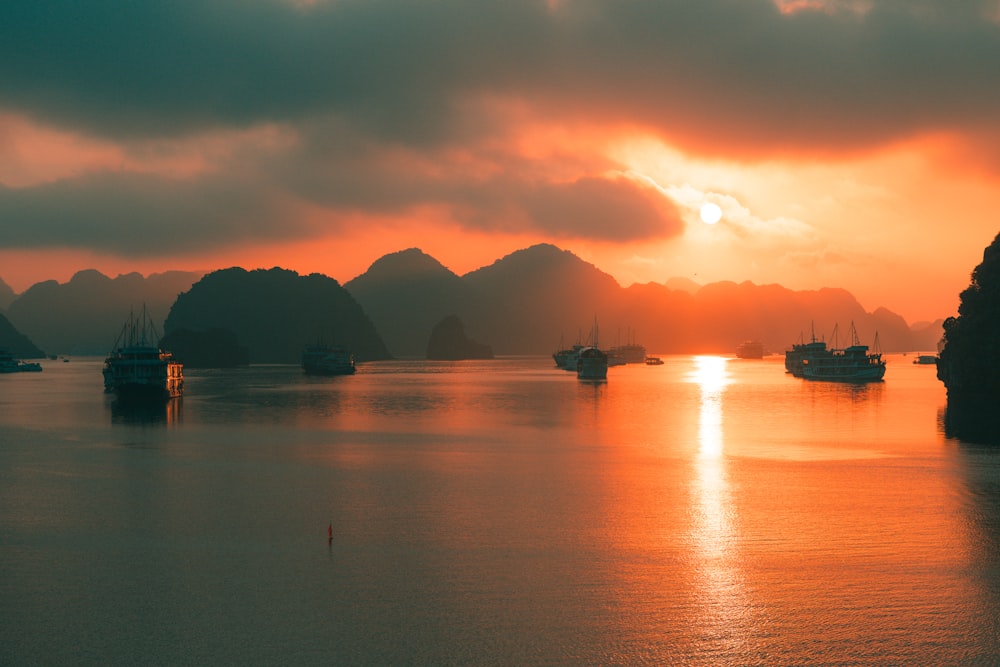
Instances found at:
x=714 y=532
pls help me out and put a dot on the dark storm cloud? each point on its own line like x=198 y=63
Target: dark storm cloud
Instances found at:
x=160 y=67
x=363 y=82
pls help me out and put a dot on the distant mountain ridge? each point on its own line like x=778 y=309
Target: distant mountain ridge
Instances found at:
x=405 y=294
x=84 y=315
x=525 y=302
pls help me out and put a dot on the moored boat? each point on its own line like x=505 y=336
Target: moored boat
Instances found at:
x=592 y=364
x=801 y=350
x=633 y=353
x=850 y=364
x=11 y=364
x=750 y=349
x=592 y=361
x=653 y=361
x=137 y=368
x=566 y=357
x=321 y=359
x=926 y=359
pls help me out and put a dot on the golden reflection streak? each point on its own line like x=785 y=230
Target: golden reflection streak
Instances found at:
x=714 y=533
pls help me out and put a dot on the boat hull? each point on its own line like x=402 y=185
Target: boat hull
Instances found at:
x=873 y=374
x=592 y=364
x=327 y=360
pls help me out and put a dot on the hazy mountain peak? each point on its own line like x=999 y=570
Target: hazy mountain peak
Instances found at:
x=88 y=277
x=405 y=264
x=538 y=262
x=6 y=295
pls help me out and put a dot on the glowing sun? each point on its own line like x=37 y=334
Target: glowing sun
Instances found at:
x=711 y=213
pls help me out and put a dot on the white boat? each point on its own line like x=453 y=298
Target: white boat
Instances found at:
x=137 y=368
x=323 y=359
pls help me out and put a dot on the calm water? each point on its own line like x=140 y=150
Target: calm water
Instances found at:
x=707 y=511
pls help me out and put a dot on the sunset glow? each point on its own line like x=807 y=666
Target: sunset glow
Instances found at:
x=725 y=168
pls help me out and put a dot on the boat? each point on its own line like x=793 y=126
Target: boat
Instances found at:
x=926 y=359
x=11 y=364
x=592 y=364
x=801 y=350
x=633 y=353
x=653 y=361
x=322 y=359
x=850 y=364
x=750 y=349
x=137 y=368
x=592 y=361
x=566 y=358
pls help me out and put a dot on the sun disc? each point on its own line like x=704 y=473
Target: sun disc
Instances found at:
x=711 y=213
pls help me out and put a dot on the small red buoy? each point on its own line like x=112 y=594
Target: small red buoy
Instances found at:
x=329 y=532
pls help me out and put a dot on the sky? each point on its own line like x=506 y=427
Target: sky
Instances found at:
x=846 y=143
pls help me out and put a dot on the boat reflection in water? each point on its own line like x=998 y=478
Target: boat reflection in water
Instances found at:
x=146 y=413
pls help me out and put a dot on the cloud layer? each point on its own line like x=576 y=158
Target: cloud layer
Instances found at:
x=495 y=115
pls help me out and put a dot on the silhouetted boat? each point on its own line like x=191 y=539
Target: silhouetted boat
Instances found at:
x=566 y=358
x=750 y=349
x=653 y=361
x=799 y=351
x=592 y=364
x=851 y=364
x=321 y=359
x=11 y=364
x=633 y=353
x=926 y=359
x=137 y=368
x=592 y=361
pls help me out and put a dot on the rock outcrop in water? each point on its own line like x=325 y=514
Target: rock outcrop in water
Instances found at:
x=448 y=342
x=969 y=364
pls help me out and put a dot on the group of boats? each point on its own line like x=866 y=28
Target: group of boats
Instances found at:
x=812 y=360
x=138 y=369
x=590 y=362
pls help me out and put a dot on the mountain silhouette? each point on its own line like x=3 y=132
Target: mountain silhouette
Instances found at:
x=16 y=342
x=969 y=363
x=85 y=315
x=448 y=342
x=527 y=298
x=215 y=348
x=405 y=294
x=536 y=299
x=528 y=302
x=7 y=295
x=274 y=313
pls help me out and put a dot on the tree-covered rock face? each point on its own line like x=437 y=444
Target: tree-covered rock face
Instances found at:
x=970 y=360
x=274 y=313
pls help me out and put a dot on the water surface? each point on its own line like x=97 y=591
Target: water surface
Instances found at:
x=707 y=511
